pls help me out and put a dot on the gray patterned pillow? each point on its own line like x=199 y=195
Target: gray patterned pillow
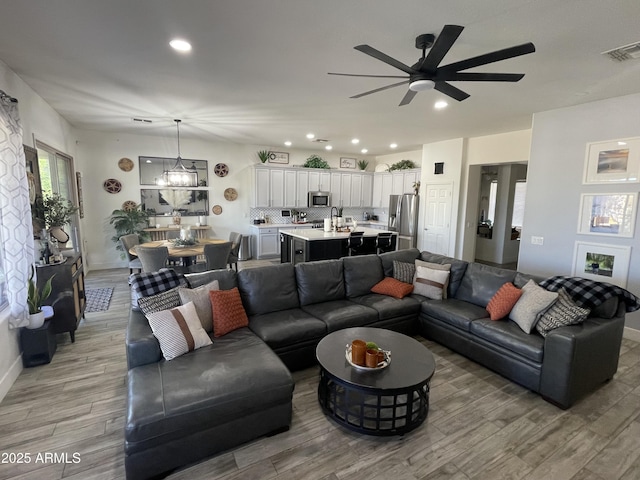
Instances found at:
x=564 y=312
x=159 y=302
x=404 y=271
x=200 y=298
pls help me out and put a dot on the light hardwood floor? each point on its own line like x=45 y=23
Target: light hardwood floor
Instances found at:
x=480 y=426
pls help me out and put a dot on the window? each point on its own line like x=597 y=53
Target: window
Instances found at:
x=518 y=204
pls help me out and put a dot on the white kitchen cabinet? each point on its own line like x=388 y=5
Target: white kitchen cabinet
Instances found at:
x=302 y=188
x=382 y=185
x=262 y=194
x=397 y=183
x=356 y=190
x=367 y=189
x=277 y=188
x=336 y=189
x=290 y=182
x=319 y=181
x=403 y=181
x=267 y=242
x=409 y=179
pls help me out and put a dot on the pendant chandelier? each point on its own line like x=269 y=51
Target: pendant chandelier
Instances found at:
x=179 y=175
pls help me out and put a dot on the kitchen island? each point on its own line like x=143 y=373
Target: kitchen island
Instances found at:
x=308 y=245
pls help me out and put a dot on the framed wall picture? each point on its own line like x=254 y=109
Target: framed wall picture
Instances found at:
x=610 y=214
x=614 y=161
x=278 y=157
x=346 y=162
x=602 y=263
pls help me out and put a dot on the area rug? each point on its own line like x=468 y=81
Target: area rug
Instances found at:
x=98 y=299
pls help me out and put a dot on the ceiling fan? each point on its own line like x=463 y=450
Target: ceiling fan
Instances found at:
x=426 y=74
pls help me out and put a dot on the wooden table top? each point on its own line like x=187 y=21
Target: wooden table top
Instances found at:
x=190 y=251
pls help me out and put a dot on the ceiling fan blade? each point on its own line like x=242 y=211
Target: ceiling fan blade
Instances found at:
x=369 y=76
x=385 y=58
x=380 y=89
x=491 y=57
x=407 y=97
x=477 y=77
x=451 y=91
x=444 y=42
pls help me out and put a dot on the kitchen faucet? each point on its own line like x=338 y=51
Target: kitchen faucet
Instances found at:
x=332 y=222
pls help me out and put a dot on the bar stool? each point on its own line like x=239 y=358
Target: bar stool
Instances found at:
x=355 y=242
x=384 y=242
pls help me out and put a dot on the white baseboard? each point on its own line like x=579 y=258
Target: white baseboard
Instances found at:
x=631 y=334
x=10 y=377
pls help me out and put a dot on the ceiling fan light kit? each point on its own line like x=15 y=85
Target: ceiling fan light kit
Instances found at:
x=427 y=73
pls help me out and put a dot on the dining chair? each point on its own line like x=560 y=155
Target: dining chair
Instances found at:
x=172 y=235
x=236 y=239
x=128 y=242
x=384 y=242
x=355 y=242
x=216 y=255
x=153 y=258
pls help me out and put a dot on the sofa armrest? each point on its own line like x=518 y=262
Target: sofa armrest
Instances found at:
x=578 y=358
x=142 y=346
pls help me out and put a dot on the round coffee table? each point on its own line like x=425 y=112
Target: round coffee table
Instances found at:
x=390 y=401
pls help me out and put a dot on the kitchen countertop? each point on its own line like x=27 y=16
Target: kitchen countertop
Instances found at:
x=309 y=224
x=320 y=234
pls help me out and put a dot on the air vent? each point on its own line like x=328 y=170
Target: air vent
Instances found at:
x=622 y=54
x=141 y=120
x=319 y=140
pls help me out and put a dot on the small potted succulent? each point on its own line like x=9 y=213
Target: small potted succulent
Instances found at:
x=363 y=164
x=263 y=155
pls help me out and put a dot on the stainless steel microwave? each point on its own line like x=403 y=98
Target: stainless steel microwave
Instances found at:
x=319 y=199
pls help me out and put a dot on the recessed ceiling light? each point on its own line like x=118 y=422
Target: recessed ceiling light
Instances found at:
x=355 y=141
x=440 y=104
x=364 y=150
x=393 y=145
x=180 y=45
x=622 y=143
x=328 y=147
x=310 y=136
x=287 y=143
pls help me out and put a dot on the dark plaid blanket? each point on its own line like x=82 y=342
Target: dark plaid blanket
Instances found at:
x=588 y=293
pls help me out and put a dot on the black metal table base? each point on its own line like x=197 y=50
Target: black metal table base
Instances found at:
x=372 y=411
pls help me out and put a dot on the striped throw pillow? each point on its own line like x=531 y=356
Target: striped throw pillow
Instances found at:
x=160 y=301
x=178 y=330
x=562 y=313
x=430 y=283
x=404 y=271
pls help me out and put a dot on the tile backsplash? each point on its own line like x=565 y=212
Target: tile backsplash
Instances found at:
x=274 y=215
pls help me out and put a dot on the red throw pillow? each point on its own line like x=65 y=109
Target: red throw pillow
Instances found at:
x=392 y=287
x=228 y=312
x=503 y=301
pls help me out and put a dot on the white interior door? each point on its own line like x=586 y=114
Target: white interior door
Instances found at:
x=437 y=218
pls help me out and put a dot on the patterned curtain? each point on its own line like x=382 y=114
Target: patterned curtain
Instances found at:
x=15 y=210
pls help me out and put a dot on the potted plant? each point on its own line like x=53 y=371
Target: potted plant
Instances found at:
x=402 y=165
x=263 y=155
x=35 y=299
x=127 y=222
x=315 y=161
x=54 y=211
x=363 y=164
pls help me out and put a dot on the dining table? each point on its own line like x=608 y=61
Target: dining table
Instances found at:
x=187 y=253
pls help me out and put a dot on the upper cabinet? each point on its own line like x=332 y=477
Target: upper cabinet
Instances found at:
x=392 y=183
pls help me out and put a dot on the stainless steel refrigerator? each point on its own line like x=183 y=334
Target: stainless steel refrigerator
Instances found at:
x=403 y=218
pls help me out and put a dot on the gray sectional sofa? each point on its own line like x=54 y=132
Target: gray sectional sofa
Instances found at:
x=239 y=388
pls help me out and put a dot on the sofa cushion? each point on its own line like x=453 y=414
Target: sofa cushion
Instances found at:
x=503 y=301
x=509 y=336
x=361 y=273
x=202 y=301
x=227 y=279
x=227 y=311
x=407 y=256
x=392 y=287
x=321 y=281
x=178 y=330
x=268 y=289
x=458 y=268
x=195 y=392
x=404 y=271
x=431 y=279
x=534 y=300
x=455 y=312
x=522 y=279
x=389 y=307
x=481 y=282
x=342 y=314
x=562 y=313
x=607 y=309
x=287 y=327
x=145 y=284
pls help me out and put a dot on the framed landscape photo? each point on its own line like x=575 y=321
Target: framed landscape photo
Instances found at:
x=346 y=162
x=602 y=263
x=614 y=161
x=611 y=214
x=278 y=157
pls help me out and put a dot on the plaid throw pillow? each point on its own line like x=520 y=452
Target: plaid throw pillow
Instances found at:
x=146 y=284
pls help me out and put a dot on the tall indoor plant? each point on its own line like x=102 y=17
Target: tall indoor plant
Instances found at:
x=127 y=222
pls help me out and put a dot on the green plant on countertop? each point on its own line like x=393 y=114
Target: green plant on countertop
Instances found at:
x=402 y=165
x=34 y=296
x=263 y=155
x=315 y=161
x=127 y=222
x=363 y=164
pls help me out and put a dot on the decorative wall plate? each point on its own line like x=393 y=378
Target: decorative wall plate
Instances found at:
x=125 y=164
x=112 y=185
x=230 y=194
x=129 y=206
x=217 y=209
x=221 y=169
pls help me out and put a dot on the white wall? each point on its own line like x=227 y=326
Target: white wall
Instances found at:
x=554 y=186
x=40 y=120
